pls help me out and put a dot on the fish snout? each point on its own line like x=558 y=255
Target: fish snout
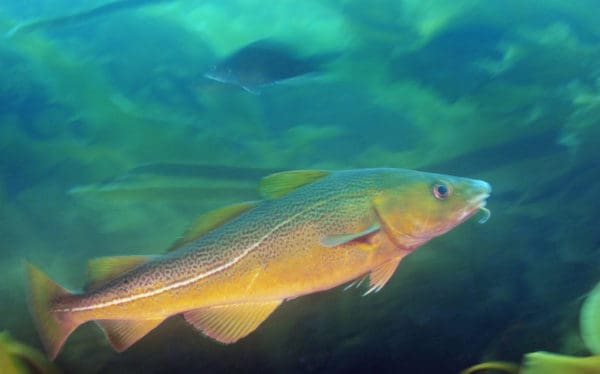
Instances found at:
x=483 y=186
x=481 y=190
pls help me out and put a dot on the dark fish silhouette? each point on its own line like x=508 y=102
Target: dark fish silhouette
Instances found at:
x=80 y=16
x=179 y=181
x=263 y=63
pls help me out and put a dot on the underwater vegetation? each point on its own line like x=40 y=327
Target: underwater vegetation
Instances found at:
x=113 y=142
x=550 y=363
x=79 y=16
x=542 y=363
x=17 y=358
x=178 y=181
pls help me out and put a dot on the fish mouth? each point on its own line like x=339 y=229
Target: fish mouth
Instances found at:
x=473 y=206
x=478 y=204
x=482 y=191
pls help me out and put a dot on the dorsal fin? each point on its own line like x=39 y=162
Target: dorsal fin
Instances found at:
x=278 y=184
x=102 y=270
x=211 y=220
x=229 y=323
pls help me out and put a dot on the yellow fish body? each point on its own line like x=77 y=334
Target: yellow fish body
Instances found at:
x=314 y=231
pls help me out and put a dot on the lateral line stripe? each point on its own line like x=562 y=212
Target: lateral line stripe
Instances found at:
x=188 y=281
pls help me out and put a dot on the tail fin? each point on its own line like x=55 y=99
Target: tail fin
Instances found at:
x=53 y=328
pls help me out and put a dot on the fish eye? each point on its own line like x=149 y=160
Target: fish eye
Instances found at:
x=441 y=190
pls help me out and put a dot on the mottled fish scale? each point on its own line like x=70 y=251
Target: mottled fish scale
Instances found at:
x=208 y=252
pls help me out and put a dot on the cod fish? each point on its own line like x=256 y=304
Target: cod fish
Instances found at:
x=263 y=63
x=314 y=230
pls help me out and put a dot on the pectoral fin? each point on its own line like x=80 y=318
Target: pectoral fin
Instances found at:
x=229 y=323
x=122 y=334
x=335 y=240
x=381 y=275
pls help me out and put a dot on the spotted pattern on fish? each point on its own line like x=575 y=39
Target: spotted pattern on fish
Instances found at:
x=208 y=252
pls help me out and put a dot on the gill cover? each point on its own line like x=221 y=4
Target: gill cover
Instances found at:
x=399 y=211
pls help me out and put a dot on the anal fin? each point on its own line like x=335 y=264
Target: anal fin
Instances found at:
x=229 y=323
x=381 y=275
x=122 y=334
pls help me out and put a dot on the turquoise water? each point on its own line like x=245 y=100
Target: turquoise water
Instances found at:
x=504 y=91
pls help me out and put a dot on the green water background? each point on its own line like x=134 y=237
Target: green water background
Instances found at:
x=505 y=91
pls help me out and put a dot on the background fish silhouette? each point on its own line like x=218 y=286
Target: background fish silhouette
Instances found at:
x=79 y=16
x=263 y=63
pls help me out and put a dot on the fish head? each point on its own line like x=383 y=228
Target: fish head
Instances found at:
x=414 y=207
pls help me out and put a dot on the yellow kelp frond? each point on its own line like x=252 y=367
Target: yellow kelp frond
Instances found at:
x=278 y=184
x=541 y=363
x=550 y=363
x=18 y=358
x=9 y=363
x=507 y=367
x=589 y=321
